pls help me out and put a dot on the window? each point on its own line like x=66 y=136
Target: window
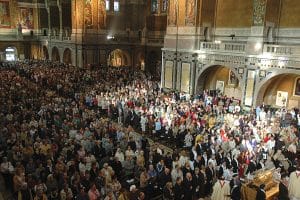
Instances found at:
x=107 y=5
x=154 y=6
x=116 y=6
x=10 y=54
x=164 y=5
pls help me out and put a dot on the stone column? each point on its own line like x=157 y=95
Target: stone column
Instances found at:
x=49 y=18
x=60 y=19
x=255 y=46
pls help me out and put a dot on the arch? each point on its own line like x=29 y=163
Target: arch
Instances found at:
x=55 y=55
x=219 y=78
x=140 y=60
x=273 y=82
x=45 y=53
x=118 y=58
x=67 y=56
x=207 y=67
x=11 y=53
x=152 y=59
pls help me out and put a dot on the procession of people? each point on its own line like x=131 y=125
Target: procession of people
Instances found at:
x=74 y=133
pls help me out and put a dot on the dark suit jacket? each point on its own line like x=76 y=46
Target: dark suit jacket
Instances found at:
x=178 y=192
x=236 y=193
x=283 y=192
x=209 y=174
x=235 y=165
x=260 y=195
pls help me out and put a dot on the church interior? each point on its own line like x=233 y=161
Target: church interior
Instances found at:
x=127 y=99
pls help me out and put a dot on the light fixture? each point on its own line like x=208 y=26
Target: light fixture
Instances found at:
x=109 y=37
x=201 y=56
x=217 y=41
x=258 y=46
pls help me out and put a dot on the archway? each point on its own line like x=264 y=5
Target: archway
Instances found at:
x=55 y=55
x=118 y=58
x=45 y=53
x=140 y=60
x=152 y=60
x=219 y=80
x=67 y=59
x=11 y=54
x=282 y=90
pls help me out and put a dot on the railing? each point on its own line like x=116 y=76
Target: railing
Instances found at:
x=66 y=38
x=278 y=49
x=235 y=47
x=225 y=47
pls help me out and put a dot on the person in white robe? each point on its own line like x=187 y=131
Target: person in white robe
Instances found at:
x=294 y=184
x=221 y=190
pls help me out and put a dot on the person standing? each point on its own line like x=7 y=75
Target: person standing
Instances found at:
x=283 y=188
x=143 y=123
x=221 y=190
x=188 y=186
x=294 y=184
x=261 y=193
x=210 y=174
x=178 y=189
x=235 y=185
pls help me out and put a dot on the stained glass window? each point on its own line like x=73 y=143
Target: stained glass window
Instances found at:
x=107 y=5
x=116 y=6
x=154 y=6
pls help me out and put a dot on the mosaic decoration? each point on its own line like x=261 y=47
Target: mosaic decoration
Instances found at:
x=102 y=14
x=172 y=18
x=88 y=15
x=297 y=87
x=232 y=79
x=4 y=14
x=190 y=13
x=259 y=12
x=26 y=18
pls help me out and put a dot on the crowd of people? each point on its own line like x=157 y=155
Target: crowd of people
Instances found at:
x=72 y=133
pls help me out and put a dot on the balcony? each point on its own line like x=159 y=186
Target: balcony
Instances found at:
x=280 y=50
x=223 y=47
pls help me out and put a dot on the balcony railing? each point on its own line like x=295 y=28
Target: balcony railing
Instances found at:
x=278 y=49
x=225 y=47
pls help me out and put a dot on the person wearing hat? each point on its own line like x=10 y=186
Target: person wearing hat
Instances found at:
x=221 y=189
x=261 y=193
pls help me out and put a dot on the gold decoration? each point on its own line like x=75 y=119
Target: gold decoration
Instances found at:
x=190 y=13
x=172 y=18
